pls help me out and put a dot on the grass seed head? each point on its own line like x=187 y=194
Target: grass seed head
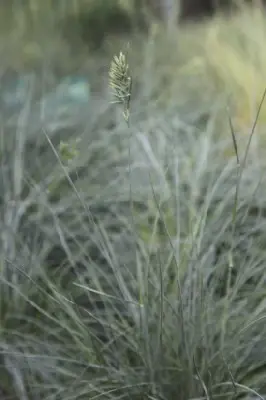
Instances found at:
x=120 y=82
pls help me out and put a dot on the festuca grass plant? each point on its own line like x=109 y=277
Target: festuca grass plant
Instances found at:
x=174 y=272
x=199 y=328
x=95 y=307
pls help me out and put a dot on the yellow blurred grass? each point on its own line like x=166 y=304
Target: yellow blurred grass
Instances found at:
x=220 y=61
x=235 y=59
x=223 y=56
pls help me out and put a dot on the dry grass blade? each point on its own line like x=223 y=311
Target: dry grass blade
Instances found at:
x=204 y=387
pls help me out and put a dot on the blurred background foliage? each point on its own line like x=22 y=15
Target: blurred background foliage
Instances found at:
x=222 y=56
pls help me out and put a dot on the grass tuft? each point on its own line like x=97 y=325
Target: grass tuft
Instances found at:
x=169 y=306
